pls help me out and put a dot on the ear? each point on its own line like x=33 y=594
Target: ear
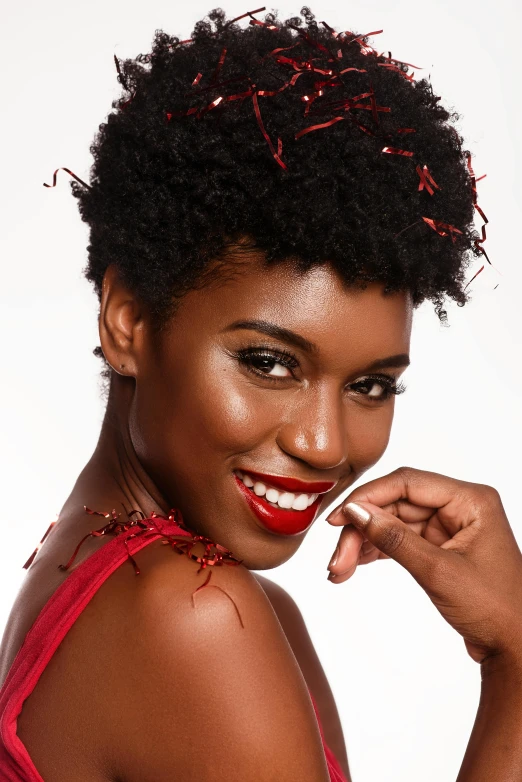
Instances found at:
x=121 y=324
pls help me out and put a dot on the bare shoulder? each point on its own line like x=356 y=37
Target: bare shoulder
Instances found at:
x=282 y=602
x=208 y=681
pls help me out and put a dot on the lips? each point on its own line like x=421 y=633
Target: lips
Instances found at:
x=293 y=484
x=280 y=520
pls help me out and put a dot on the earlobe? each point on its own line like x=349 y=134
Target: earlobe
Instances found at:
x=120 y=324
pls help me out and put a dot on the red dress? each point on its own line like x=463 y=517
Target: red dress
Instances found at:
x=57 y=617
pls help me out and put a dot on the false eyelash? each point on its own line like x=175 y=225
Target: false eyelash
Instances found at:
x=283 y=357
x=287 y=359
x=390 y=386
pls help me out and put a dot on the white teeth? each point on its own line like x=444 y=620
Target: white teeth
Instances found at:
x=300 y=502
x=259 y=489
x=286 y=500
x=272 y=495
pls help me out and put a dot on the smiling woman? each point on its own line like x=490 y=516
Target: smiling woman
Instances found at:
x=268 y=205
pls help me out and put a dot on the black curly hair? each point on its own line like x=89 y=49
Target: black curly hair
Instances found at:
x=172 y=189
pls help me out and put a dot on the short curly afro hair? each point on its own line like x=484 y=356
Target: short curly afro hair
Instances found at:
x=171 y=189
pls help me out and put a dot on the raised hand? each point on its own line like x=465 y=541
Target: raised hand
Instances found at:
x=454 y=538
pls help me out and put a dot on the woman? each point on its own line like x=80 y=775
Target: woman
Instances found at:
x=268 y=205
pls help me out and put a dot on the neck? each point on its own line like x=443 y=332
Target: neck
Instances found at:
x=113 y=477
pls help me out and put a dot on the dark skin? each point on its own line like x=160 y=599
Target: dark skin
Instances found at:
x=183 y=414
x=166 y=446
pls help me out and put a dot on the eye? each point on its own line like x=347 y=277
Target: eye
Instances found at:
x=378 y=388
x=273 y=364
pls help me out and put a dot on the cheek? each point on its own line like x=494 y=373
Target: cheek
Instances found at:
x=368 y=435
x=207 y=407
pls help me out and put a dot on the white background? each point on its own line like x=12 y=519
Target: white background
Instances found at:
x=406 y=690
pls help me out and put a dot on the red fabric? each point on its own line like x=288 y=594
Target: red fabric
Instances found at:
x=47 y=632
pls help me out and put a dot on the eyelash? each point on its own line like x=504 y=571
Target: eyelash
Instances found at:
x=288 y=360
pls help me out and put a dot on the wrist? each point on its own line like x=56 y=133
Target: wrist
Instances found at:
x=503 y=666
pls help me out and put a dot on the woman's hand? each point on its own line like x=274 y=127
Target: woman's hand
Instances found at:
x=454 y=538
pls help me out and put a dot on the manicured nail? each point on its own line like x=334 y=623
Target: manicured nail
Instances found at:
x=333 y=514
x=361 y=514
x=334 y=558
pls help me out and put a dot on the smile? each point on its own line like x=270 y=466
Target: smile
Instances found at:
x=286 y=506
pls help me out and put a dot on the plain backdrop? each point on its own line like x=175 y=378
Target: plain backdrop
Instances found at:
x=406 y=690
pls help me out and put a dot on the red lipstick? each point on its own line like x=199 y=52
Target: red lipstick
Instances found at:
x=292 y=484
x=280 y=520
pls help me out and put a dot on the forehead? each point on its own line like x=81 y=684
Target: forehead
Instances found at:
x=317 y=304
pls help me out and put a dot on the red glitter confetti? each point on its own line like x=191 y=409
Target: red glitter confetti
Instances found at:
x=392 y=67
x=358 y=70
x=474 y=276
x=426 y=180
x=263 y=24
x=184 y=543
x=71 y=174
x=330 y=29
x=210 y=106
x=358 y=38
x=317 y=127
x=300 y=66
x=478 y=242
x=265 y=134
x=401 y=62
x=248 y=13
x=443 y=229
x=219 y=66
x=395 y=151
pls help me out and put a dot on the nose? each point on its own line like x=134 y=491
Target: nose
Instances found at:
x=315 y=430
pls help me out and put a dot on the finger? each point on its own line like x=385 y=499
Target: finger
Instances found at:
x=393 y=537
x=346 y=555
x=370 y=556
x=418 y=487
x=409 y=512
x=340 y=578
x=403 y=509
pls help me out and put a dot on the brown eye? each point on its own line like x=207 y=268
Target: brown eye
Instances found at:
x=379 y=388
x=269 y=365
x=272 y=364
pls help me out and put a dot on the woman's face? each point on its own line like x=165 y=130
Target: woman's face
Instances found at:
x=263 y=379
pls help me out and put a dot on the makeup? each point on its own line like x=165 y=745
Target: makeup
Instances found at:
x=281 y=520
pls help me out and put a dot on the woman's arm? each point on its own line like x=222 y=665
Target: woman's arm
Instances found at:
x=456 y=541
x=495 y=746
x=303 y=648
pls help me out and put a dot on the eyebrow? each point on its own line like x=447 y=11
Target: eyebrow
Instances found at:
x=278 y=332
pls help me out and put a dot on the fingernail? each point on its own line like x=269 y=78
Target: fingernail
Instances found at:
x=334 y=558
x=361 y=514
x=332 y=514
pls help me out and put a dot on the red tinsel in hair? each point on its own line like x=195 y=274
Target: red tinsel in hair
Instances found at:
x=315 y=102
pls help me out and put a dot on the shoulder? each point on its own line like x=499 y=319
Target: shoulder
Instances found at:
x=210 y=676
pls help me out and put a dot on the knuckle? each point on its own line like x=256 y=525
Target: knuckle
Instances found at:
x=404 y=471
x=482 y=495
x=490 y=493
